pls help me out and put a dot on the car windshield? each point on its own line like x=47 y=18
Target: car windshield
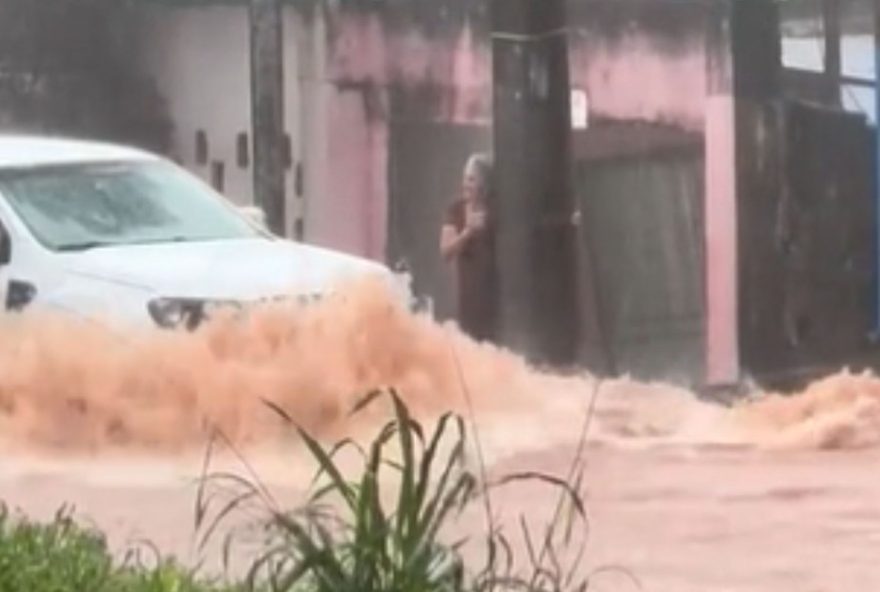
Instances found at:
x=77 y=207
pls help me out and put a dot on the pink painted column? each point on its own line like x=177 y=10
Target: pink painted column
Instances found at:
x=722 y=302
x=743 y=75
x=722 y=339
x=351 y=214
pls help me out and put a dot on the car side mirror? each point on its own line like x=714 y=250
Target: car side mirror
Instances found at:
x=255 y=214
x=5 y=247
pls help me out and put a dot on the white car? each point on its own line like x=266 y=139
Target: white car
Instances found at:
x=111 y=233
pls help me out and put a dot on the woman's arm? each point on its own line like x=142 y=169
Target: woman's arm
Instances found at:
x=452 y=241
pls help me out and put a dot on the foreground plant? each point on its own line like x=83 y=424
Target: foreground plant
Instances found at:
x=365 y=547
x=63 y=556
x=358 y=544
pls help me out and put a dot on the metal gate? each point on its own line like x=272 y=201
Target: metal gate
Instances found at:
x=643 y=221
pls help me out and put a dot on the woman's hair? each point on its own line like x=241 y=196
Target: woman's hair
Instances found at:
x=480 y=165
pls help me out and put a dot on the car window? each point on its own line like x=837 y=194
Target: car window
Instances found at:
x=87 y=206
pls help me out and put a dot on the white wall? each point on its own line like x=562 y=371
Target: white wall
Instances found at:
x=199 y=58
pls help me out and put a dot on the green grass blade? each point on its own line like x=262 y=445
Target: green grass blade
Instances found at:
x=336 y=449
x=328 y=466
x=365 y=402
x=223 y=513
x=424 y=478
x=453 y=462
x=573 y=495
x=406 y=508
x=326 y=565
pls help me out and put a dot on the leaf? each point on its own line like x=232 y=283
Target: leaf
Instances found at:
x=260 y=562
x=406 y=508
x=365 y=402
x=336 y=449
x=309 y=551
x=294 y=576
x=327 y=466
x=453 y=462
x=562 y=484
x=200 y=503
x=527 y=537
x=227 y=509
x=279 y=411
x=428 y=459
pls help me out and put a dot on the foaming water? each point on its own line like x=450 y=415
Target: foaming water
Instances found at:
x=838 y=412
x=71 y=387
x=76 y=387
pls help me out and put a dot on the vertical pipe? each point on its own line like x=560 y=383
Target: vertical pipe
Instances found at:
x=267 y=111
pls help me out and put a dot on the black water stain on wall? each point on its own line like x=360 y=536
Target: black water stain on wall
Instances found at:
x=65 y=68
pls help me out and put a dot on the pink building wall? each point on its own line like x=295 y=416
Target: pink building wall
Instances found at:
x=632 y=76
x=635 y=74
x=346 y=69
x=351 y=215
x=344 y=64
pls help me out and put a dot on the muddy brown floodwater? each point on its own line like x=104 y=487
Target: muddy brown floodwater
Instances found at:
x=776 y=494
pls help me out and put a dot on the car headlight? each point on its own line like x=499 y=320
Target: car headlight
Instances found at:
x=171 y=313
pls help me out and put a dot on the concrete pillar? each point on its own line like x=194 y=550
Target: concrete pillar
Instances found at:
x=532 y=145
x=743 y=73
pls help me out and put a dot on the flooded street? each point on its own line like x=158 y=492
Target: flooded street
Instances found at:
x=688 y=520
x=682 y=520
x=229 y=231
x=775 y=494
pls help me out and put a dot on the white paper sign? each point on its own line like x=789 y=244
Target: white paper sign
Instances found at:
x=580 y=109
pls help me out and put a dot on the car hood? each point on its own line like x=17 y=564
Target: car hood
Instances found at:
x=247 y=269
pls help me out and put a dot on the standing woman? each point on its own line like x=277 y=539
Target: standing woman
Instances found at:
x=467 y=240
